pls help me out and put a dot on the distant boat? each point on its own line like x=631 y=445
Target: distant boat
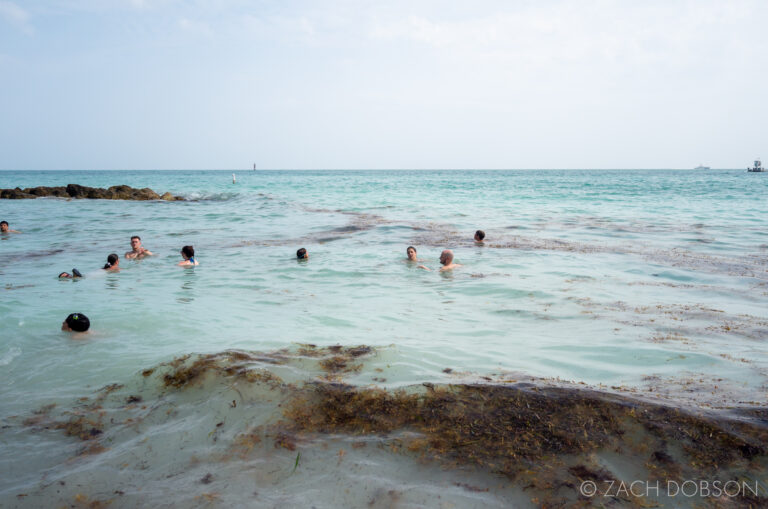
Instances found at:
x=700 y=167
x=757 y=168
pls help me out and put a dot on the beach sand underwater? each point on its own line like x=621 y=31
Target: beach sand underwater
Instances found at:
x=604 y=346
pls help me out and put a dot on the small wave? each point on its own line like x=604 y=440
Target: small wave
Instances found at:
x=202 y=196
x=11 y=354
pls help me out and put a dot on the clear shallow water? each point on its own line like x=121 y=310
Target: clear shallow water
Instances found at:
x=651 y=280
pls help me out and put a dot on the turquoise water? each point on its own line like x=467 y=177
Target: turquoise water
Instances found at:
x=652 y=281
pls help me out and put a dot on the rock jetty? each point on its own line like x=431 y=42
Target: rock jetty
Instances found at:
x=93 y=193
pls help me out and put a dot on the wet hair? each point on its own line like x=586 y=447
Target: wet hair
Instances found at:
x=301 y=253
x=411 y=247
x=111 y=259
x=78 y=322
x=480 y=234
x=135 y=237
x=188 y=251
x=4 y=222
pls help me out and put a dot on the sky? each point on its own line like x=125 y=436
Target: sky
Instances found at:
x=417 y=84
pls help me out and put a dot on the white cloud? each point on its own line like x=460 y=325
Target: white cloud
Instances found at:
x=13 y=13
x=600 y=31
x=195 y=27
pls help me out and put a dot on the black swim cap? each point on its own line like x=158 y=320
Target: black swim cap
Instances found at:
x=78 y=322
x=76 y=273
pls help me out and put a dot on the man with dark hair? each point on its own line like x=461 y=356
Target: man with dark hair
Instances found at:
x=479 y=235
x=302 y=254
x=137 y=250
x=4 y=228
x=76 y=322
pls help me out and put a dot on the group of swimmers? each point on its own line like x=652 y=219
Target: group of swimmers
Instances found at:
x=446 y=257
x=78 y=322
x=137 y=252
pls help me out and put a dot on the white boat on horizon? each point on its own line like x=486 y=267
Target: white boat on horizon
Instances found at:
x=757 y=168
x=700 y=167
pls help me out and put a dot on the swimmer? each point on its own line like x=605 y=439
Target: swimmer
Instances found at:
x=446 y=259
x=411 y=255
x=76 y=322
x=4 y=228
x=302 y=254
x=137 y=250
x=66 y=275
x=479 y=236
x=113 y=263
x=188 y=253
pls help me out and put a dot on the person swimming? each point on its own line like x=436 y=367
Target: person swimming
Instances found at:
x=66 y=275
x=446 y=260
x=479 y=236
x=137 y=250
x=302 y=254
x=4 y=228
x=76 y=322
x=188 y=253
x=411 y=255
x=113 y=262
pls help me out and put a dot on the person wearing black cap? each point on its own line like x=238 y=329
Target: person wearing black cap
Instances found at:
x=66 y=275
x=76 y=322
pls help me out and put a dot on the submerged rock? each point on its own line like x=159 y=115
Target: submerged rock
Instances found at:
x=79 y=192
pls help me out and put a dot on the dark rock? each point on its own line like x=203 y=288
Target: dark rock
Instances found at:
x=15 y=194
x=94 y=193
x=59 y=191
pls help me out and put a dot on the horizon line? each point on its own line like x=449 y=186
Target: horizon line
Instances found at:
x=357 y=169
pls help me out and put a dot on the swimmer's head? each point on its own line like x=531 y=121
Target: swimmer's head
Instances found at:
x=66 y=275
x=479 y=235
x=4 y=226
x=76 y=322
x=302 y=254
x=446 y=257
x=411 y=253
x=135 y=242
x=188 y=252
x=112 y=261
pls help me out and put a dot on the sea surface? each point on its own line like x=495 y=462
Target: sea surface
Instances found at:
x=653 y=283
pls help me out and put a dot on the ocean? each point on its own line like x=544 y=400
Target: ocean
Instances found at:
x=199 y=386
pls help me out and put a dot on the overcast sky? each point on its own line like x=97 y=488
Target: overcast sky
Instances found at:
x=144 y=84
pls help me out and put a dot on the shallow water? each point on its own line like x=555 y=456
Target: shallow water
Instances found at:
x=647 y=281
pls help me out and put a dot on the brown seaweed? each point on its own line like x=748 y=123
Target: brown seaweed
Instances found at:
x=526 y=432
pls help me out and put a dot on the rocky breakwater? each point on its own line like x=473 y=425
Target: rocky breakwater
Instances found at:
x=93 y=193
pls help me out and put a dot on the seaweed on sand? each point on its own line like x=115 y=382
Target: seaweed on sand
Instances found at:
x=546 y=437
x=231 y=363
